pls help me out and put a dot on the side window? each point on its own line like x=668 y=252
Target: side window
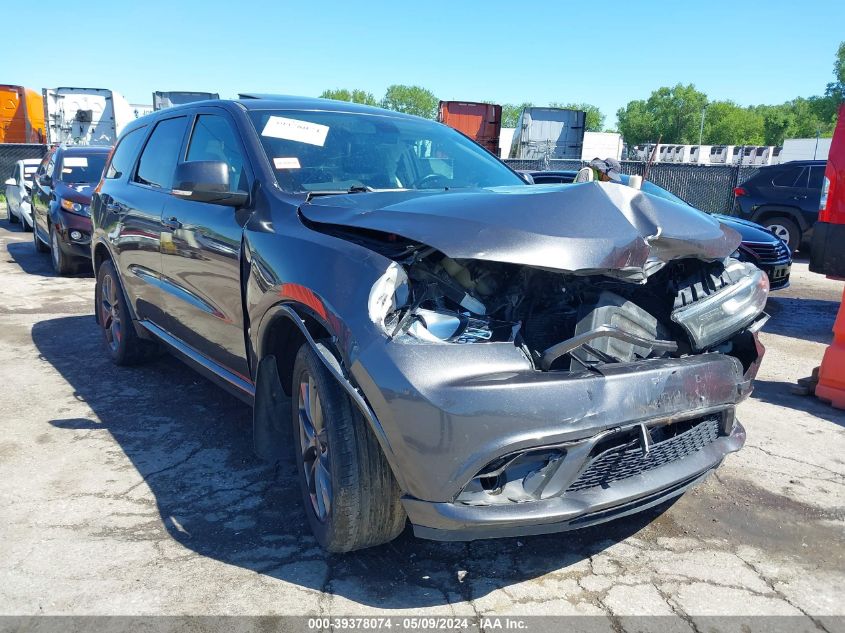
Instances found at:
x=51 y=165
x=816 y=177
x=161 y=153
x=125 y=153
x=788 y=177
x=214 y=139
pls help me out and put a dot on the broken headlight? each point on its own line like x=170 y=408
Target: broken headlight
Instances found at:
x=388 y=294
x=713 y=319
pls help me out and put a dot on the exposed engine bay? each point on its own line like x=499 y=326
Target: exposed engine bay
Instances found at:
x=566 y=321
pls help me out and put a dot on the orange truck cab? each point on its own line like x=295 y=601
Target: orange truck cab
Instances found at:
x=21 y=115
x=828 y=248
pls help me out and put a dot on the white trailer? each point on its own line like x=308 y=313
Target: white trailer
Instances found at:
x=601 y=145
x=699 y=154
x=163 y=99
x=549 y=133
x=804 y=149
x=85 y=116
x=505 y=140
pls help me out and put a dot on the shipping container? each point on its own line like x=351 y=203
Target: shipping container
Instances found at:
x=549 y=133
x=804 y=149
x=21 y=115
x=482 y=122
x=162 y=100
x=85 y=116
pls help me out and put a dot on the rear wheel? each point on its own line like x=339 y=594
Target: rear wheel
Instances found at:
x=11 y=217
x=786 y=229
x=350 y=495
x=40 y=247
x=122 y=342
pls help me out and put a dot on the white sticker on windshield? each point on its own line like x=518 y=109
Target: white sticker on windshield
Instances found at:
x=296 y=130
x=75 y=161
x=286 y=162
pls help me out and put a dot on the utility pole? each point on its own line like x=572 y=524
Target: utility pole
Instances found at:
x=815 y=151
x=701 y=129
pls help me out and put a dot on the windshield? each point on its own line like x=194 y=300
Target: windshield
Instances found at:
x=82 y=169
x=338 y=151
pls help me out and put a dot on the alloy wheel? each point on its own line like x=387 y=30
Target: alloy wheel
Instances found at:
x=54 y=247
x=780 y=231
x=110 y=312
x=313 y=442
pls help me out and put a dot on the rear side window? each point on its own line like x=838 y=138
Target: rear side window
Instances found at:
x=816 y=177
x=161 y=153
x=788 y=177
x=125 y=153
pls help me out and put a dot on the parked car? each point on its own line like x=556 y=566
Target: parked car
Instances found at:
x=759 y=246
x=18 y=190
x=783 y=198
x=61 y=198
x=446 y=343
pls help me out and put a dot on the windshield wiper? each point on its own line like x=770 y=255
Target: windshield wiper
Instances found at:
x=339 y=192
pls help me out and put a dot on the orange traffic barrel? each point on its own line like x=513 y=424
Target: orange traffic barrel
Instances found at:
x=831 y=386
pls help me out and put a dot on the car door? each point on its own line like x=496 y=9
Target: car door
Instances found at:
x=41 y=196
x=201 y=247
x=813 y=194
x=134 y=205
x=13 y=191
x=788 y=186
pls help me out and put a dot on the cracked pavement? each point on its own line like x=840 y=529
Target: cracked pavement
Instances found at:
x=136 y=492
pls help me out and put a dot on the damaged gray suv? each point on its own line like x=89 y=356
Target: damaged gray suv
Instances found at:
x=447 y=344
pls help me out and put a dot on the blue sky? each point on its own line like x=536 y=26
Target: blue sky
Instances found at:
x=605 y=53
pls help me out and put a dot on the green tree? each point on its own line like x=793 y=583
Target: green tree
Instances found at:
x=511 y=112
x=411 y=100
x=595 y=117
x=836 y=89
x=674 y=113
x=355 y=96
x=726 y=123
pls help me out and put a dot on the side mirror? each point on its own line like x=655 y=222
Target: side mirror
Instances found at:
x=45 y=181
x=529 y=180
x=10 y=182
x=206 y=181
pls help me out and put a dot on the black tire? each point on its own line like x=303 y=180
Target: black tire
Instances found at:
x=40 y=247
x=363 y=508
x=786 y=229
x=11 y=217
x=63 y=263
x=122 y=342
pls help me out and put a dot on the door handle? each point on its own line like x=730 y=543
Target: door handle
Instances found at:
x=172 y=223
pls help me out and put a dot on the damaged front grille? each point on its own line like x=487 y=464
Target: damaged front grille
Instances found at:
x=627 y=460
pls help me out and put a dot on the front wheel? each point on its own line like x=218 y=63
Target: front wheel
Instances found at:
x=62 y=262
x=11 y=217
x=786 y=229
x=350 y=494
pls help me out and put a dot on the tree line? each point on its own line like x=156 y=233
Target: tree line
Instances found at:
x=676 y=114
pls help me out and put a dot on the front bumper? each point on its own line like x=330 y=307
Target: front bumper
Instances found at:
x=466 y=406
x=69 y=222
x=572 y=509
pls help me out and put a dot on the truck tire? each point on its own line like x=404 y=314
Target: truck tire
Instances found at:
x=786 y=229
x=350 y=495
x=122 y=342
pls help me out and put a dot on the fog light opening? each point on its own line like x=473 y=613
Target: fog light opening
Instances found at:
x=75 y=235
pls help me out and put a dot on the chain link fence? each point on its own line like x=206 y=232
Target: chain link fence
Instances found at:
x=706 y=187
x=10 y=153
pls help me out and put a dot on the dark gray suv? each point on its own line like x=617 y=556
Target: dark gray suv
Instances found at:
x=435 y=340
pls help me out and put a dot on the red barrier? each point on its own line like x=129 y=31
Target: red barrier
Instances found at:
x=831 y=386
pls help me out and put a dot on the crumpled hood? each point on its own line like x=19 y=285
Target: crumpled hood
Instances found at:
x=585 y=227
x=76 y=192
